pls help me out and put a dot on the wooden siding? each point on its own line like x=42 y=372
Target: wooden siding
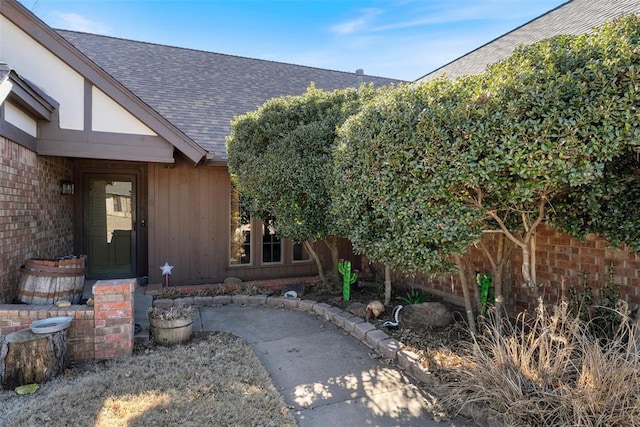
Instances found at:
x=189 y=208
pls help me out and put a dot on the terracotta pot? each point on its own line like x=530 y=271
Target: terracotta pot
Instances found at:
x=167 y=332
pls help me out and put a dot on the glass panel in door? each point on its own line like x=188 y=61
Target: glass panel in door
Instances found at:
x=111 y=216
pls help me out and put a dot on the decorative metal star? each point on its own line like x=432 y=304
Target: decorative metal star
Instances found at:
x=166 y=268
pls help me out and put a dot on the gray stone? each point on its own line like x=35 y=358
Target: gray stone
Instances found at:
x=275 y=301
x=351 y=322
x=240 y=299
x=357 y=309
x=422 y=374
x=426 y=314
x=389 y=348
x=257 y=299
x=203 y=300
x=186 y=301
x=320 y=308
x=340 y=318
x=375 y=337
x=406 y=359
x=307 y=305
x=361 y=329
x=221 y=300
x=290 y=302
x=233 y=281
x=331 y=313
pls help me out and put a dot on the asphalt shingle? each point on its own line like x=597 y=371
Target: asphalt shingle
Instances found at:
x=201 y=92
x=572 y=17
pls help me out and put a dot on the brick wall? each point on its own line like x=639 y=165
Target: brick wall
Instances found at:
x=561 y=262
x=35 y=220
x=80 y=343
x=103 y=331
x=113 y=305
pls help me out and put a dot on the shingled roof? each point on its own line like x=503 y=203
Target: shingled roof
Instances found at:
x=572 y=17
x=201 y=92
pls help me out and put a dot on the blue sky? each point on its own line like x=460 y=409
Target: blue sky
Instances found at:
x=403 y=39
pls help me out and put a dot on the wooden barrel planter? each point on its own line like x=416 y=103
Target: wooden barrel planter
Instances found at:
x=49 y=281
x=168 y=332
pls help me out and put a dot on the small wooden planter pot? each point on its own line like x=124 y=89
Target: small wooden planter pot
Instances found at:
x=168 y=332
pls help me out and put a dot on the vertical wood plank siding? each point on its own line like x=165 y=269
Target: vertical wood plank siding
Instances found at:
x=189 y=227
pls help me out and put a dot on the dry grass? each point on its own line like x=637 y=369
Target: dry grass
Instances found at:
x=549 y=370
x=213 y=380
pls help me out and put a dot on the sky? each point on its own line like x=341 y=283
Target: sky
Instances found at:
x=402 y=39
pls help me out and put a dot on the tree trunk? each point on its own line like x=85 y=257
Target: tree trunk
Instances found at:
x=334 y=275
x=526 y=266
x=387 y=285
x=467 y=296
x=532 y=259
x=27 y=358
x=309 y=246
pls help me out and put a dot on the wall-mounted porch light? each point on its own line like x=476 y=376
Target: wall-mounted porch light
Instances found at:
x=66 y=187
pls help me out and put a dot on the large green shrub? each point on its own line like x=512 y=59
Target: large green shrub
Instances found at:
x=280 y=159
x=422 y=171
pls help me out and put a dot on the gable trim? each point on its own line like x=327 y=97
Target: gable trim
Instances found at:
x=53 y=141
x=15 y=134
x=58 y=46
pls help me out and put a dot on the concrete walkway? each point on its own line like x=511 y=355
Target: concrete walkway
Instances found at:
x=326 y=376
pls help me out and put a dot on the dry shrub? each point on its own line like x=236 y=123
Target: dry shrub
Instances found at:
x=212 y=291
x=549 y=370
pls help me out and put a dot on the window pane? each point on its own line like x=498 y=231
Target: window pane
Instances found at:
x=300 y=252
x=240 y=231
x=271 y=245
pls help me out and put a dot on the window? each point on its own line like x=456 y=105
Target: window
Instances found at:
x=271 y=243
x=271 y=250
x=300 y=252
x=240 y=231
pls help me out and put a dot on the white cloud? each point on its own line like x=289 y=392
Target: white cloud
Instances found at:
x=75 y=22
x=356 y=24
x=409 y=14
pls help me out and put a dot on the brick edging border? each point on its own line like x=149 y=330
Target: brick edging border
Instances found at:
x=374 y=338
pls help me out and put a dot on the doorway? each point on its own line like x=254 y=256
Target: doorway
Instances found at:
x=110 y=215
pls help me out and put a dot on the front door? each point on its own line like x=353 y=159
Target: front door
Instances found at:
x=111 y=234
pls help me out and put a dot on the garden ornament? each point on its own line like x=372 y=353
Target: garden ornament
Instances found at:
x=348 y=278
x=395 y=322
x=166 y=272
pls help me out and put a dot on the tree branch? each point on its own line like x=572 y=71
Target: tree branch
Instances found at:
x=538 y=220
x=505 y=230
x=487 y=254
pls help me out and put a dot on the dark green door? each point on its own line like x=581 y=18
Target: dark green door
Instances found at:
x=110 y=219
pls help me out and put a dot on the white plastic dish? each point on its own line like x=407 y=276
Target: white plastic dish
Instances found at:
x=52 y=324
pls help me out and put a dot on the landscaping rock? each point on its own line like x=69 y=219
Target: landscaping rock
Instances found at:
x=232 y=281
x=426 y=314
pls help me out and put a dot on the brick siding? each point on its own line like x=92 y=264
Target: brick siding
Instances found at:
x=561 y=262
x=113 y=305
x=103 y=331
x=35 y=220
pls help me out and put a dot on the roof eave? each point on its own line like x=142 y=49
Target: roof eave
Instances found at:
x=56 y=44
